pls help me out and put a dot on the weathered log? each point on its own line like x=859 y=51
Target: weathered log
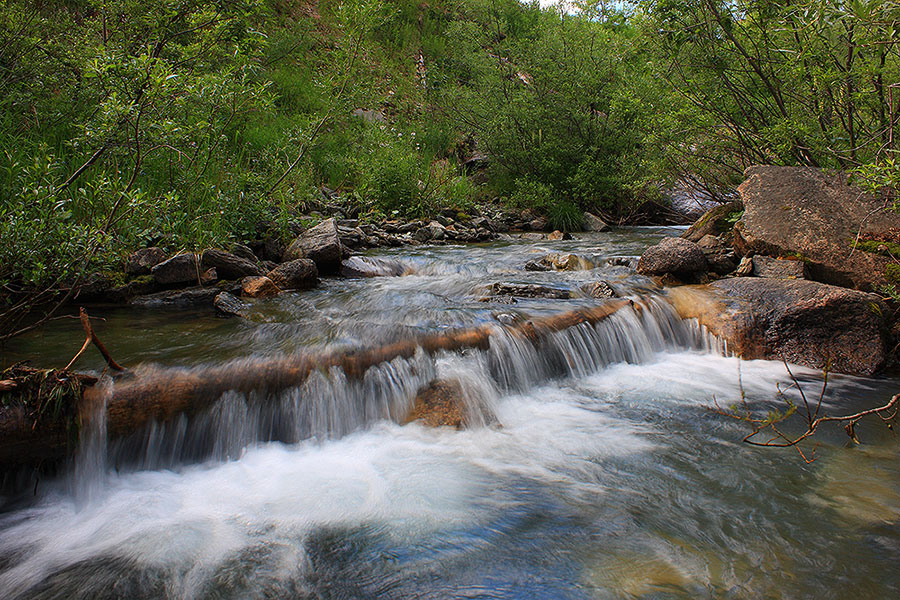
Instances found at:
x=159 y=394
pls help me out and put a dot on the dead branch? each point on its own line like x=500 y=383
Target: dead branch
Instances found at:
x=92 y=338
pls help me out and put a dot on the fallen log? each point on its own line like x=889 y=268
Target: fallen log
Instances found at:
x=159 y=394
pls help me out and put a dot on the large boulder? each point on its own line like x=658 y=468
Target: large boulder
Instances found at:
x=804 y=322
x=180 y=269
x=809 y=214
x=321 y=244
x=228 y=265
x=675 y=256
x=298 y=274
x=715 y=221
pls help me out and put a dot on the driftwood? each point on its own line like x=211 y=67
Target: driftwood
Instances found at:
x=159 y=395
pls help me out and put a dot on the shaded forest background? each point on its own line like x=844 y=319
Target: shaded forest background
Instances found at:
x=189 y=123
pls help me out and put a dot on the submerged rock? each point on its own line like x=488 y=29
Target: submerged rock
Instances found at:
x=805 y=322
x=529 y=290
x=561 y=262
x=440 y=404
x=599 y=289
x=364 y=266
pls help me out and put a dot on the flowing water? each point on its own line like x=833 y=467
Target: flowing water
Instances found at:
x=593 y=466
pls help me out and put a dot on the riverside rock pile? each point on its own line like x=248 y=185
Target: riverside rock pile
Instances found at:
x=797 y=259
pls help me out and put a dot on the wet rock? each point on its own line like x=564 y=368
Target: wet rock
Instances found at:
x=805 y=212
x=715 y=221
x=228 y=265
x=806 y=322
x=142 y=285
x=440 y=404
x=559 y=235
x=529 y=290
x=766 y=266
x=537 y=265
x=188 y=297
x=141 y=261
x=534 y=237
x=182 y=268
x=364 y=266
x=676 y=256
x=568 y=262
x=298 y=274
x=321 y=244
x=594 y=223
x=229 y=305
x=599 y=289
x=258 y=286
x=621 y=261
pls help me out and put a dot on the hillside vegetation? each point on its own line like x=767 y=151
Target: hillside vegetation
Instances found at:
x=189 y=123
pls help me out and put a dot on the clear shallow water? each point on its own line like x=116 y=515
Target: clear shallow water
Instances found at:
x=608 y=477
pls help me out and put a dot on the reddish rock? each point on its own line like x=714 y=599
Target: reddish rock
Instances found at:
x=258 y=286
x=805 y=322
x=440 y=404
x=807 y=213
x=299 y=274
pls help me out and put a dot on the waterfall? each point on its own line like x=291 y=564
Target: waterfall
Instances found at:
x=331 y=405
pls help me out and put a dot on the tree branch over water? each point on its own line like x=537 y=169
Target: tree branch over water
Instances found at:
x=767 y=431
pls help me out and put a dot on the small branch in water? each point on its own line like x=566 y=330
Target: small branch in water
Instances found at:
x=92 y=338
x=778 y=439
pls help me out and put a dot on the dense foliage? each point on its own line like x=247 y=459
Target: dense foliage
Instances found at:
x=186 y=123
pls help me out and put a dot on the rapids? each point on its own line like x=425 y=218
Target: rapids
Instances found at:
x=593 y=467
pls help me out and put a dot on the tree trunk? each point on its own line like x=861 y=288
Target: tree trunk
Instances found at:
x=161 y=394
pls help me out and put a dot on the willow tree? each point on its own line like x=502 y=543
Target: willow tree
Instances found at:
x=810 y=82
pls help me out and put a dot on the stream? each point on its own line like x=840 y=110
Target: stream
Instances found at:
x=592 y=468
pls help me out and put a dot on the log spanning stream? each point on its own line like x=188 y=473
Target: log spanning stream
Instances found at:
x=267 y=457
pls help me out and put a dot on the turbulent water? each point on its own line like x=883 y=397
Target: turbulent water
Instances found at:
x=593 y=467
